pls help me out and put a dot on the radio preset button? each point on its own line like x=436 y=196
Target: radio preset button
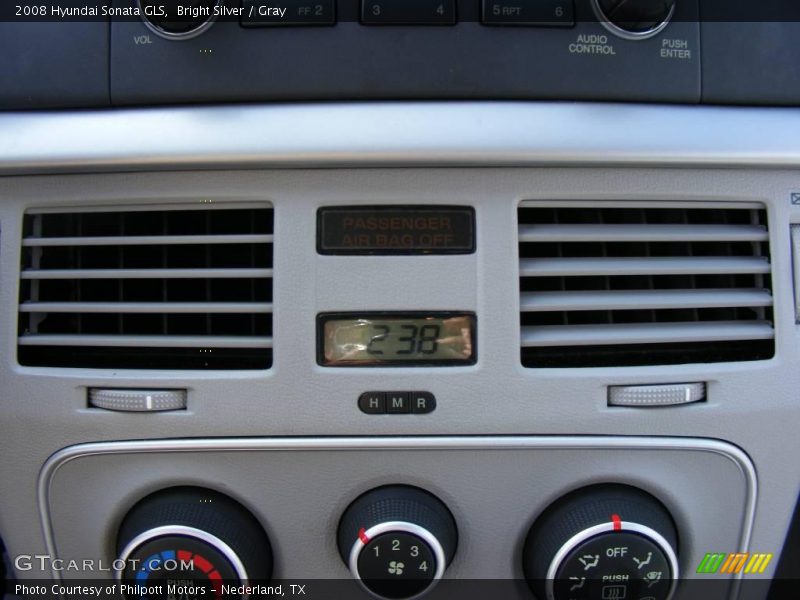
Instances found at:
x=298 y=13
x=408 y=12
x=537 y=13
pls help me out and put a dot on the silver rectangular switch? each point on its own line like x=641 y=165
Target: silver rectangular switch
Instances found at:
x=646 y=396
x=129 y=400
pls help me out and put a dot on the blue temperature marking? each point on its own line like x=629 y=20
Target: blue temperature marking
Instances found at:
x=168 y=555
x=152 y=562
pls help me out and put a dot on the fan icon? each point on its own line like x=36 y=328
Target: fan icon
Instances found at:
x=396 y=568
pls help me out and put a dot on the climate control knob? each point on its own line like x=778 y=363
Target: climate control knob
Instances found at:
x=606 y=541
x=192 y=537
x=397 y=541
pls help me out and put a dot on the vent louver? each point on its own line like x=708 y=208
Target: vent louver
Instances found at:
x=611 y=285
x=159 y=289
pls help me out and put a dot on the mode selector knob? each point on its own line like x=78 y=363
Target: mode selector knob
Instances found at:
x=607 y=541
x=397 y=541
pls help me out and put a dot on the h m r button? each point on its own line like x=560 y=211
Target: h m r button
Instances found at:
x=372 y=403
x=398 y=402
x=422 y=402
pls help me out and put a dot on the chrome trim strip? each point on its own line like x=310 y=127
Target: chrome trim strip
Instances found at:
x=64 y=456
x=397 y=134
x=395 y=526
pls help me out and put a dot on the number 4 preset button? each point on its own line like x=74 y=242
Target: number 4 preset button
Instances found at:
x=408 y=12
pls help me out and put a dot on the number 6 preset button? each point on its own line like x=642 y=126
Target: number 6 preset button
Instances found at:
x=408 y=12
x=536 y=13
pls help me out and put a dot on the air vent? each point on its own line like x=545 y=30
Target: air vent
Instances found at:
x=157 y=289
x=612 y=285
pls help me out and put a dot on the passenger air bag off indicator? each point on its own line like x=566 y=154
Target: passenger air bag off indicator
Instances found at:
x=396 y=230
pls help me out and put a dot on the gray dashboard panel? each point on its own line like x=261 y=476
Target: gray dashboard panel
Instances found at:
x=751 y=405
x=491 y=156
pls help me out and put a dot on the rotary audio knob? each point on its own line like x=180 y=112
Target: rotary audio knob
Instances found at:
x=397 y=541
x=200 y=539
x=608 y=541
x=634 y=19
x=178 y=19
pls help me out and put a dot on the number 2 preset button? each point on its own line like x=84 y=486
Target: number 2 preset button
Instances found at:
x=262 y=13
x=408 y=12
x=536 y=13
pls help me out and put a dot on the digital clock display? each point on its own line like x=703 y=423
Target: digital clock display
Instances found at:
x=381 y=339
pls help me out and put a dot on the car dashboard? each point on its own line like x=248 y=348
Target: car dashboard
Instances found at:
x=400 y=300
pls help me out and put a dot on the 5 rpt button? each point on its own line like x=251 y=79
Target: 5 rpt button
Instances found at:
x=541 y=13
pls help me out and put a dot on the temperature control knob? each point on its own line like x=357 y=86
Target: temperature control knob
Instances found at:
x=397 y=541
x=196 y=537
x=607 y=541
x=634 y=19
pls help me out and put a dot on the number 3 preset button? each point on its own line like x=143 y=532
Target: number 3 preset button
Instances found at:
x=408 y=12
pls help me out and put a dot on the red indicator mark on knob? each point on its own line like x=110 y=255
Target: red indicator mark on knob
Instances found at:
x=362 y=535
x=617 y=522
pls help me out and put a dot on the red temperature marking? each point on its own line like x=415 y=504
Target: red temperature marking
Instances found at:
x=203 y=564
